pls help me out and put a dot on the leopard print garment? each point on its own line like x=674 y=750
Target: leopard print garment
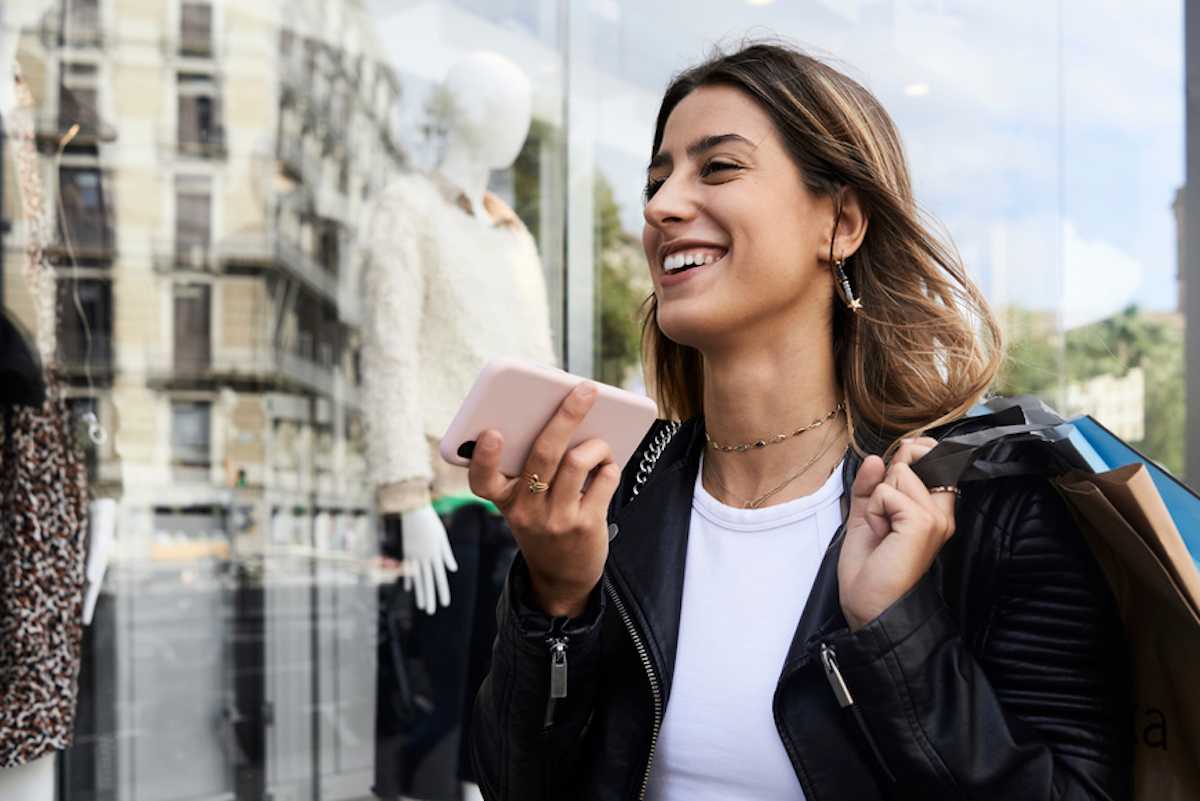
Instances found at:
x=43 y=511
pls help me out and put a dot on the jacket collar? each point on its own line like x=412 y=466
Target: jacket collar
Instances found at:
x=647 y=558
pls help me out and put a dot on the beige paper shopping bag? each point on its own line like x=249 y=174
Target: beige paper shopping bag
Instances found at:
x=1157 y=589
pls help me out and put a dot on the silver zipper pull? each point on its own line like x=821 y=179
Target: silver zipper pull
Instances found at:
x=829 y=660
x=558 y=668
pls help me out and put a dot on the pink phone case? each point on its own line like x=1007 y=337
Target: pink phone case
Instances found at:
x=518 y=398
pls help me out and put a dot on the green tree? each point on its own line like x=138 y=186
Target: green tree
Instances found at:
x=1112 y=346
x=620 y=265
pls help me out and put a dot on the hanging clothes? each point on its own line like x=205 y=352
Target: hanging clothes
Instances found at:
x=43 y=497
x=43 y=519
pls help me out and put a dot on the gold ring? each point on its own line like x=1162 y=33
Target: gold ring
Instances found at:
x=536 y=485
x=946 y=488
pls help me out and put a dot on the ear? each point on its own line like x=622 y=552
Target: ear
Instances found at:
x=851 y=224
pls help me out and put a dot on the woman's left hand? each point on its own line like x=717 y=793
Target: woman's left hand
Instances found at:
x=894 y=529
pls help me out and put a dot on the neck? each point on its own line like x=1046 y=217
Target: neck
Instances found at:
x=753 y=392
x=466 y=173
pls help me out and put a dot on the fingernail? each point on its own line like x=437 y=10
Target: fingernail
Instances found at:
x=488 y=440
x=587 y=390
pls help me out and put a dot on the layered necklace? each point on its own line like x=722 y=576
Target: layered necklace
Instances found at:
x=775 y=439
x=755 y=503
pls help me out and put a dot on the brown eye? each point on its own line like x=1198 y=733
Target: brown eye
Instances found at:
x=717 y=166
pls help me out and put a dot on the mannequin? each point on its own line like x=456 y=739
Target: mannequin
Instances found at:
x=454 y=281
x=492 y=103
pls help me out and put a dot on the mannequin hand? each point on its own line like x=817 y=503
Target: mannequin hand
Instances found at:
x=426 y=549
x=562 y=533
x=894 y=529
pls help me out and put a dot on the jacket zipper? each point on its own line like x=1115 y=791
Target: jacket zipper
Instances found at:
x=558 y=667
x=846 y=701
x=655 y=691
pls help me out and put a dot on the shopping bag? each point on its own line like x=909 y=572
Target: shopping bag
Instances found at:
x=1104 y=450
x=1137 y=542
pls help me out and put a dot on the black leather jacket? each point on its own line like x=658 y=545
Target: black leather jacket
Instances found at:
x=1002 y=675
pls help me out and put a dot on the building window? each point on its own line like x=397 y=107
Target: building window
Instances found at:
x=329 y=337
x=193 y=327
x=200 y=130
x=193 y=221
x=85 y=324
x=77 y=98
x=191 y=434
x=80 y=22
x=328 y=248
x=195 y=30
x=84 y=225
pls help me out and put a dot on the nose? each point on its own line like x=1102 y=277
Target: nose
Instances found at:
x=674 y=202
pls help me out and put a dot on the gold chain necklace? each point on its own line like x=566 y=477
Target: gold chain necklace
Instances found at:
x=773 y=440
x=755 y=503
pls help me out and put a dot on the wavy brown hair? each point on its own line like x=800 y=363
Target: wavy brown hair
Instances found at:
x=925 y=347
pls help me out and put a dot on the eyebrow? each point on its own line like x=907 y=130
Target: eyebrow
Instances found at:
x=699 y=146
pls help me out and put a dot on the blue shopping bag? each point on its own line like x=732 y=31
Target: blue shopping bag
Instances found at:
x=1104 y=450
x=1054 y=444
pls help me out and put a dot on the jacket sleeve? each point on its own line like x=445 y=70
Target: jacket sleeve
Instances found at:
x=1039 y=709
x=525 y=746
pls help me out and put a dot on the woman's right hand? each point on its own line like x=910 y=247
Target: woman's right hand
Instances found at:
x=562 y=532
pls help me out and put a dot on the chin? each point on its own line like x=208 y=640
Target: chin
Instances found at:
x=687 y=323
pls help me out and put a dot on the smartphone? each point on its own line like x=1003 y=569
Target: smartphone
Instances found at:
x=517 y=398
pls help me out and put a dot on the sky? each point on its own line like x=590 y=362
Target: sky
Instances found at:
x=1046 y=138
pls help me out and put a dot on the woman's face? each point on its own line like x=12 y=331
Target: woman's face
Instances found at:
x=726 y=196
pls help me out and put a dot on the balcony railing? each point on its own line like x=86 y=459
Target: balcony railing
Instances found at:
x=205 y=146
x=77 y=29
x=170 y=255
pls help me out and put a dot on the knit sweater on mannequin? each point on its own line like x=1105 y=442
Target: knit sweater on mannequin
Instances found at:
x=446 y=292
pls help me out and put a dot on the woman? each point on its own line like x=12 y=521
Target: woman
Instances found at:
x=780 y=610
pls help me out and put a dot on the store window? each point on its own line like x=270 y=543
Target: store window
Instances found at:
x=318 y=250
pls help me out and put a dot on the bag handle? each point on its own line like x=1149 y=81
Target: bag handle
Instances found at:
x=1019 y=436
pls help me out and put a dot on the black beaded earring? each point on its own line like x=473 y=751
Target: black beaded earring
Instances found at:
x=839 y=271
x=852 y=303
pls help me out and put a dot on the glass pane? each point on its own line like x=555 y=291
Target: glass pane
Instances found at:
x=289 y=235
x=322 y=241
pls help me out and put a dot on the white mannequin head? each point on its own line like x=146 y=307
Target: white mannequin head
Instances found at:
x=491 y=107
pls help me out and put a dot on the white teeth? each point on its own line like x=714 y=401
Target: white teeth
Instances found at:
x=679 y=260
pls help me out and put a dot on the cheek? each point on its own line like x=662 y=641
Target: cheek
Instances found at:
x=650 y=243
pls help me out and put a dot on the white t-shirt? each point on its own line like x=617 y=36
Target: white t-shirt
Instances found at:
x=748 y=576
